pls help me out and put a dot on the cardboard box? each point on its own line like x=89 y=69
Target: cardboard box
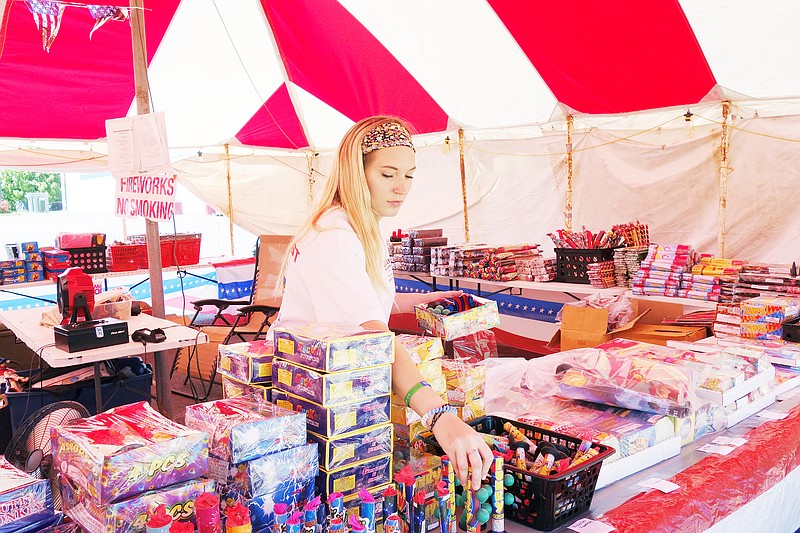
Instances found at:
x=585 y=327
x=661 y=333
x=24 y=500
x=449 y=327
x=339 y=419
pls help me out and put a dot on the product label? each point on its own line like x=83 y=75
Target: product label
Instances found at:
x=225 y=363
x=284 y=376
x=345 y=358
x=343 y=389
x=343 y=452
x=286 y=346
x=344 y=420
x=344 y=484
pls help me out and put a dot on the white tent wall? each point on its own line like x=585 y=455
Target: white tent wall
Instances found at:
x=658 y=167
x=672 y=187
x=763 y=192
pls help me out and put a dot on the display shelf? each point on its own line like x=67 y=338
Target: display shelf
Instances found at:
x=548 y=286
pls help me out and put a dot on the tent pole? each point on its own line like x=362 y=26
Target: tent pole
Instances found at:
x=162 y=364
x=568 y=204
x=230 y=195
x=463 y=182
x=724 y=172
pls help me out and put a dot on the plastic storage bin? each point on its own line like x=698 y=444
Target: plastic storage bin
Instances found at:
x=91 y=260
x=571 y=262
x=545 y=502
x=123 y=388
x=123 y=257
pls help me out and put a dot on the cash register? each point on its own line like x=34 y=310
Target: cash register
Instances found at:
x=77 y=331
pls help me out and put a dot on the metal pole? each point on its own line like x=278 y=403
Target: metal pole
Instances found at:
x=162 y=364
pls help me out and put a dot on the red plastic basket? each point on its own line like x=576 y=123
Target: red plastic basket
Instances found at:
x=187 y=249
x=123 y=257
x=167 y=248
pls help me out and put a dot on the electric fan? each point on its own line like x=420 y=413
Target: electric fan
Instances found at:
x=30 y=449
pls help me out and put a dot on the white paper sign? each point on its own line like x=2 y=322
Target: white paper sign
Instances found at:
x=660 y=484
x=714 y=448
x=587 y=525
x=772 y=415
x=150 y=197
x=730 y=441
x=137 y=145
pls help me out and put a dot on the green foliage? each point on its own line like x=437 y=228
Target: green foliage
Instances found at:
x=14 y=184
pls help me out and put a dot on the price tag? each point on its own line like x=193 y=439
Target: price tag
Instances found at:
x=587 y=525
x=661 y=484
x=771 y=415
x=730 y=441
x=714 y=448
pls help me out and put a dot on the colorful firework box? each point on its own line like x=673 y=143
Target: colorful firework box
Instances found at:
x=241 y=429
x=247 y=362
x=338 y=452
x=333 y=348
x=334 y=388
x=763 y=317
x=421 y=349
x=350 y=479
x=126 y=451
x=130 y=516
x=266 y=474
x=295 y=494
x=24 y=500
x=451 y=327
x=338 y=419
x=236 y=389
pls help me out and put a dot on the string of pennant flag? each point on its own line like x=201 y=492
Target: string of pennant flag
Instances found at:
x=47 y=16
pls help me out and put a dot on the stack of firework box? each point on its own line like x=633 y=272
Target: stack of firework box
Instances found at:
x=26 y=503
x=28 y=265
x=661 y=272
x=456 y=260
x=258 y=455
x=705 y=280
x=427 y=353
x=341 y=378
x=413 y=253
x=626 y=263
x=118 y=466
x=246 y=369
x=758 y=279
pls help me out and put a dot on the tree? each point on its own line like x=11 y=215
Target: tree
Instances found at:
x=14 y=184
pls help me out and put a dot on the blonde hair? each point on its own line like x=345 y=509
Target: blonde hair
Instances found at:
x=347 y=188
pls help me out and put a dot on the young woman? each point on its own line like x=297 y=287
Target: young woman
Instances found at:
x=337 y=270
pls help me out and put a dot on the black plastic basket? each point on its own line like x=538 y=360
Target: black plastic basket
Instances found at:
x=571 y=262
x=791 y=330
x=90 y=260
x=545 y=502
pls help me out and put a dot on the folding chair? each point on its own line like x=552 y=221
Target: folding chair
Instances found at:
x=253 y=317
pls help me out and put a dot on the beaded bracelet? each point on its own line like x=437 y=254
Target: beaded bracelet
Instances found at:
x=413 y=390
x=428 y=418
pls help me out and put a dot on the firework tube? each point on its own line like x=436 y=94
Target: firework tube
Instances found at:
x=450 y=476
x=181 y=527
x=519 y=456
x=281 y=516
x=549 y=461
x=392 y=524
x=310 y=515
x=498 y=511
x=336 y=505
x=238 y=520
x=582 y=458
x=355 y=525
x=335 y=524
x=518 y=435
x=389 y=502
x=419 y=512
x=159 y=521
x=471 y=505
x=206 y=509
x=295 y=523
x=367 y=510
x=443 y=499
x=405 y=480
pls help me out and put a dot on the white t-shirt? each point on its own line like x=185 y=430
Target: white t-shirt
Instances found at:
x=326 y=278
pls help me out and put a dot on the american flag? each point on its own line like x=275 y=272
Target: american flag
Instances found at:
x=47 y=16
x=103 y=14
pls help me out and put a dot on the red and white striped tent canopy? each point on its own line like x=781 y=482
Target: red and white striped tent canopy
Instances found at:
x=284 y=79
